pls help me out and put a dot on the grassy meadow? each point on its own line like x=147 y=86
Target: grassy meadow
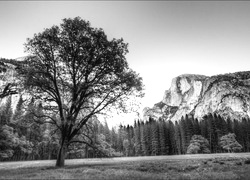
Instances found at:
x=202 y=166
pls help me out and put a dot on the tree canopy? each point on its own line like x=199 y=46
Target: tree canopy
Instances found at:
x=76 y=72
x=198 y=144
x=229 y=143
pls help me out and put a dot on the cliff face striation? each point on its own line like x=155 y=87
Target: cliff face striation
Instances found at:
x=8 y=75
x=227 y=95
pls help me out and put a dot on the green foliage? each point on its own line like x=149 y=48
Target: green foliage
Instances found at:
x=198 y=144
x=229 y=143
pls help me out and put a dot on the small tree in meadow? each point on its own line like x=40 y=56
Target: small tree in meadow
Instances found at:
x=229 y=143
x=198 y=144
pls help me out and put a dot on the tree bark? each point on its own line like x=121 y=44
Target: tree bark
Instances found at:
x=61 y=155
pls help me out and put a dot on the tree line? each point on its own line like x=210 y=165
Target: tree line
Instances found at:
x=23 y=138
x=161 y=137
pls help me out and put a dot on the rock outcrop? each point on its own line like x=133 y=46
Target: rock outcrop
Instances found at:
x=8 y=75
x=227 y=95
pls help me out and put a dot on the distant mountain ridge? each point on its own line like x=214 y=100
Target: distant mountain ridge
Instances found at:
x=227 y=95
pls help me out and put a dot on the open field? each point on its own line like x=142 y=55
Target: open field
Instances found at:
x=203 y=166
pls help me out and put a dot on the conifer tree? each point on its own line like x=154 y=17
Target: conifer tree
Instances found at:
x=196 y=126
x=245 y=132
x=238 y=131
x=172 y=142
x=107 y=132
x=18 y=111
x=137 y=134
x=121 y=137
x=162 y=137
x=143 y=139
x=204 y=128
x=224 y=129
x=183 y=135
x=6 y=112
x=229 y=125
x=114 y=139
x=148 y=138
x=189 y=128
x=155 y=138
x=178 y=138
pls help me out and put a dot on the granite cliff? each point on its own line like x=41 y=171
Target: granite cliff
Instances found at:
x=227 y=95
x=8 y=75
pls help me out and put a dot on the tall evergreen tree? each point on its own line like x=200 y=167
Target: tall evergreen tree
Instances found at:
x=148 y=137
x=172 y=142
x=6 y=112
x=155 y=138
x=143 y=139
x=183 y=135
x=178 y=138
x=137 y=135
x=18 y=111
x=106 y=132
x=229 y=125
x=196 y=127
x=162 y=137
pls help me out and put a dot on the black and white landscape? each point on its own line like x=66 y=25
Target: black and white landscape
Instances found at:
x=124 y=90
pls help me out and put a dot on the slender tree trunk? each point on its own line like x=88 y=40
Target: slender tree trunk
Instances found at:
x=86 y=152
x=61 y=155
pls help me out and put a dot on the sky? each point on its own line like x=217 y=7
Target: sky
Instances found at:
x=166 y=38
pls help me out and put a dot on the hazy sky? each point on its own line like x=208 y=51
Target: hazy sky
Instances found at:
x=166 y=38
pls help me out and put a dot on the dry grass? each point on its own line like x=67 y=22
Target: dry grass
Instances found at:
x=179 y=167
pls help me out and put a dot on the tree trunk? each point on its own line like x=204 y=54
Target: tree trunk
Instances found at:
x=61 y=155
x=86 y=152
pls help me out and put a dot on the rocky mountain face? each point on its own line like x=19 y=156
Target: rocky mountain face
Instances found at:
x=227 y=95
x=8 y=76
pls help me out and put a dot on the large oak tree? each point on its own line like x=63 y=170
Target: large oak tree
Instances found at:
x=77 y=73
